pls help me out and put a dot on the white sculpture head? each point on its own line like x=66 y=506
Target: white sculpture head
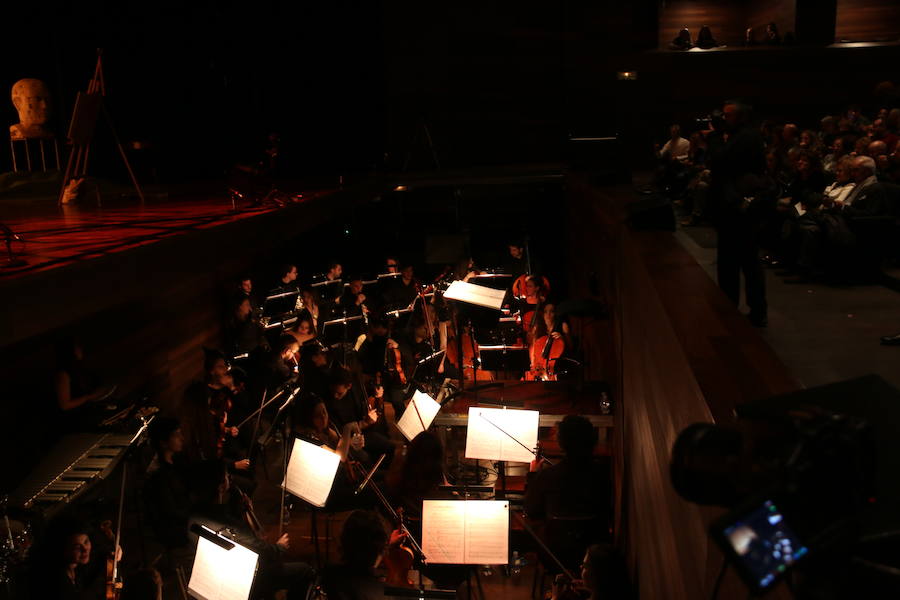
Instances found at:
x=32 y=101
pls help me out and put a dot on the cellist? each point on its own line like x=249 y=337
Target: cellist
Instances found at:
x=550 y=341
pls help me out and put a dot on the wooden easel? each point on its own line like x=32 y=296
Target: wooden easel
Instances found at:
x=81 y=132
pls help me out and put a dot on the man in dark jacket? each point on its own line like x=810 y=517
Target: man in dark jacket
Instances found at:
x=738 y=203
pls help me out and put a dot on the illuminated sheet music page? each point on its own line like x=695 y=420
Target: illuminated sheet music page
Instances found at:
x=420 y=411
x=310 y=472
x=475 y=294
x=465 y=532
x=485 y=440
x=220 y=574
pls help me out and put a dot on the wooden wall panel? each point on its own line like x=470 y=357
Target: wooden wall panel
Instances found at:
x=762 y=12
x=685 y=355
x=867 y=20
x=727 y=20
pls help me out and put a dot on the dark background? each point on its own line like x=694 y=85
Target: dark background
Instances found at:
x=348 y=84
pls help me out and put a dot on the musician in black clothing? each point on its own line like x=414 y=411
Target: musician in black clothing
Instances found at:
x=401 y=292
x=286 y=283
x=352 y=301
x=244 y=335
x=314 y=368
x=281 y=364
x=515 y=263
x=220 y=506
x=68 y=562
x=348 y=406
x=576 y=488
x=363 y=542
x=167 y=490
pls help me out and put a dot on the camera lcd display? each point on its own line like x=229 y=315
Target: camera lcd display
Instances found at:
x=764 y=543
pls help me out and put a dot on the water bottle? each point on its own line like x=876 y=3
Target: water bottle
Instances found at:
x=516 y=567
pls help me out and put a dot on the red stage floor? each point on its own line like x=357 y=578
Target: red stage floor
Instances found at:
x=56 y=237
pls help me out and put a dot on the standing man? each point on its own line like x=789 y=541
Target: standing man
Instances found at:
x=739 y=199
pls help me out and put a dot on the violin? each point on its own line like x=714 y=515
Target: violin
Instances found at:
x=400 y=556
x=249 y=515
x=394 y=362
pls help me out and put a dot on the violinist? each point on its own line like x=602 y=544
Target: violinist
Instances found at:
x=363 y=542
x=311 y=307
x=220 y=505
x=412 y=478
x=303 y=331
x=347 y=407
x=69 y=562
x=167 y=490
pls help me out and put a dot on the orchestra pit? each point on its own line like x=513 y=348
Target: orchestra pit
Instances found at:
x=567 y=300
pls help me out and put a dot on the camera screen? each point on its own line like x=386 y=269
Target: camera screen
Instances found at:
x=764 y=543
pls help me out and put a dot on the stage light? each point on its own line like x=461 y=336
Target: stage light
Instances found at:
x=400 y=188
x=627 y=75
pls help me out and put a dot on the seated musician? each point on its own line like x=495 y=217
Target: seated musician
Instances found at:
x=346 y=406
x=412 y=478
x=281 y=365
x=204 y=413
x=515 y=263
x=363 y=542
x=401 y=291
x=547 y=336
x=75 y=386
x=286 y=282
x=328 y=285
x=352 y=301
x=311 y=304
x=578 y=487
x=244 y=335
x=69 y=562
x=219 y=505
x=167 y=490
x=303 y=331
x=244 y=290
x=315 y=371
x=312 y=423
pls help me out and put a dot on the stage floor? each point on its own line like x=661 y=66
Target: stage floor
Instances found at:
x=53 y=237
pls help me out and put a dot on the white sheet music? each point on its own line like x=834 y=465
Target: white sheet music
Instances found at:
x=310 y=472
x=421 y=410
x=465 y=532
x=475 y=294
x=220 y=574
x=486 y=441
